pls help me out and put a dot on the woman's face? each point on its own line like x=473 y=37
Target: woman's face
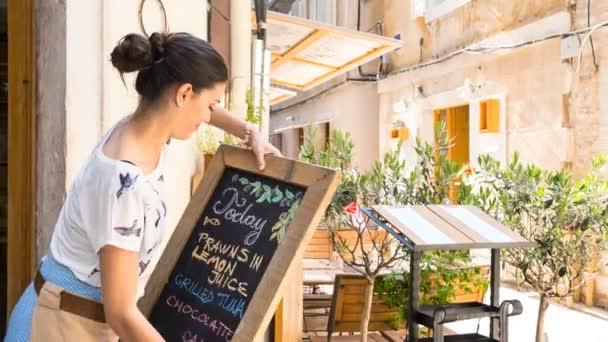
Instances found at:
x=194 y=108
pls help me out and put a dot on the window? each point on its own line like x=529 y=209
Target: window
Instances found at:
x=318 y=10
x=277 y=141
x=433 y=9
x=489 y=116
x=299 y=9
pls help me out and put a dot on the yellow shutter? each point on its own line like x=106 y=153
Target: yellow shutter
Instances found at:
x=489 y=116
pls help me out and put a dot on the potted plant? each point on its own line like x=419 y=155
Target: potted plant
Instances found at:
x=207 y=144
x=567 y=219
x=390 y=182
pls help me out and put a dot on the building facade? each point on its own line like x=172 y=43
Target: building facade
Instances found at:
x=504 y=76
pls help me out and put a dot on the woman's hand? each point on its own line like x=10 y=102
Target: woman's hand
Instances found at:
x=260 y=147
x=223 y=119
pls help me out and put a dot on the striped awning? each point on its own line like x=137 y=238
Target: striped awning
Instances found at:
x=447 y=227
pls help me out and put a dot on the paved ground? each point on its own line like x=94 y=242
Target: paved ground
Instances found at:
x=562 y=324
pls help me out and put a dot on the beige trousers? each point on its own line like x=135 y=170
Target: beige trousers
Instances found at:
x=51 y=324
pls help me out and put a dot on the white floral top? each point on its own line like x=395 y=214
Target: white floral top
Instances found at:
x=110 y=202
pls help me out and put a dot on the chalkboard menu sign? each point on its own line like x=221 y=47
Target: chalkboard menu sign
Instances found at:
x=234 y=249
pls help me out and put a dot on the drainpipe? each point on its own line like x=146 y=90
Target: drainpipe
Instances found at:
x=262 y=57
x=240 y=56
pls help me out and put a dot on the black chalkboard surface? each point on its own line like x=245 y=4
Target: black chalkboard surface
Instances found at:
x=221 y=275
x=225 y=257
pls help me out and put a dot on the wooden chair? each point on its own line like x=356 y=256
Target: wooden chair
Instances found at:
x=347 y=308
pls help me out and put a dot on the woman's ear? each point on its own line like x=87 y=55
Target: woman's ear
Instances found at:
x=182 y=94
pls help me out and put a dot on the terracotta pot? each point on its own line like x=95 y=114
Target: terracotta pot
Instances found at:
x=207 y=160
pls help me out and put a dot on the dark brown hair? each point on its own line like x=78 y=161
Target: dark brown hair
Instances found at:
x=166 y=59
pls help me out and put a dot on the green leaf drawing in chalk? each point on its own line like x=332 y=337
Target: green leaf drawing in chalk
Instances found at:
x=278 y=230
x=256 y=187
x=278 y=195
x=265 y=194
x=265 y=197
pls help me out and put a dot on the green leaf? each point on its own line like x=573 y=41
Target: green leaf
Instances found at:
x=256 y=187
x=278 y=195
x=265 y=196
x=289 y=195
x=244 y=181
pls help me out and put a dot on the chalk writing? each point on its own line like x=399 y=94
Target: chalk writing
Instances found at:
x=233 y=305
x=232 y=214
x=233 y=251
x=211 y=221
x=215 y=326
x=219 y=264
x=194 y=288
x=256 y=261
x=224 y=281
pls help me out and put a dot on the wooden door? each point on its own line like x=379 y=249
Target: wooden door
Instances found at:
x=22 y=151
x=457 y=126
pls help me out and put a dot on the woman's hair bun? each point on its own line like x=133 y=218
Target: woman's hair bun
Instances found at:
x=165 y=59
x=158 y=42
x=135 y=52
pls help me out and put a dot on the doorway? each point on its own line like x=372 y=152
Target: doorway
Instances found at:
x=456 y=121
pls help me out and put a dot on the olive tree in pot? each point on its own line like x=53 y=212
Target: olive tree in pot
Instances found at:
x=566 y=218
x=388 y=182
x=361 y=245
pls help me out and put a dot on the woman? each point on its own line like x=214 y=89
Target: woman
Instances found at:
x=112 y=221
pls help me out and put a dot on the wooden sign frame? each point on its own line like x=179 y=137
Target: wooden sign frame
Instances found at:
x=319 y=183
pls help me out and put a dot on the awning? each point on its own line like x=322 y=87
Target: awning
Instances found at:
x=307 y=53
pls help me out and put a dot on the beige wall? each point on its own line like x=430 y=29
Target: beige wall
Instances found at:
x=465 y=25
x=531 y=106
x=95 y=95
x=352 y=107
x=538 y=89
x=590 y=113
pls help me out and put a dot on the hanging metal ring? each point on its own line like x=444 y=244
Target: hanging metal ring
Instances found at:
x=141 y=17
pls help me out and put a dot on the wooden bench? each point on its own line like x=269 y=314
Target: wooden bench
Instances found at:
x=320 y=245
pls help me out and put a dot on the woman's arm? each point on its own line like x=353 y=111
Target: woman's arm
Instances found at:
x=223 y=119
x=119 y=273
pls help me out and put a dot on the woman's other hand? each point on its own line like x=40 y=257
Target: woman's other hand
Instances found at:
x=260 y=147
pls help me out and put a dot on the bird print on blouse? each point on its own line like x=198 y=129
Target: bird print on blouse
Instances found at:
x=142 y=266
x=152 y=248
x=126 y=183
x=157 y=218
x=93 y=272
x=128 y=231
